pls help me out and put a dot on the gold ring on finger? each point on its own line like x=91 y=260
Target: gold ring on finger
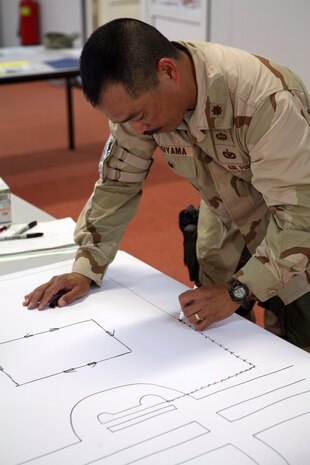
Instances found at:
x=197 y=317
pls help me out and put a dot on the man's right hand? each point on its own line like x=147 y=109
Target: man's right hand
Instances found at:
x=75 y=284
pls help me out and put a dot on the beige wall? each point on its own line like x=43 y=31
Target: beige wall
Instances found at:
x=102 y=11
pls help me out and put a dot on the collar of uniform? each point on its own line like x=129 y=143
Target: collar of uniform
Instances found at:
x=213 y=109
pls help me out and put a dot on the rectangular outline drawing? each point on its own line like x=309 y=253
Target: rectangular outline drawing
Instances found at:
x=11 y=371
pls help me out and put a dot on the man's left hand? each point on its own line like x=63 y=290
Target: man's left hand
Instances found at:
x=206 y=305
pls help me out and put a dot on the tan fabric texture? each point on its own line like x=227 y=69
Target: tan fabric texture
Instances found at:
x=246 y=149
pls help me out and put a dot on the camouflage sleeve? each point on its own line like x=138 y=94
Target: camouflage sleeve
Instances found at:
x=280 y=161
x=124 y=164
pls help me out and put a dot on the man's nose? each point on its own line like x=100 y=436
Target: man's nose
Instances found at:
x=139 y=127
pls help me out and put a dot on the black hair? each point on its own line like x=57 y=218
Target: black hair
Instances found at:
x=124 y=51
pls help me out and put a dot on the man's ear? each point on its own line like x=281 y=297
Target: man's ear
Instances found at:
x=167 y=68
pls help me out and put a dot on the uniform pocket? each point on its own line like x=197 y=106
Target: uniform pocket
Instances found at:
x=182 y=165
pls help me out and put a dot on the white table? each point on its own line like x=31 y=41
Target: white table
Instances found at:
x=39 y=70
x=24 y=212
x=117 y=379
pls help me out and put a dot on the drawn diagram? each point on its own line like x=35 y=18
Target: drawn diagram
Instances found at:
x=118 y=380
x=39 y=350
x=155 y=424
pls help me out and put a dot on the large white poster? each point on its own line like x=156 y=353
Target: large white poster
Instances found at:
x=117 y=379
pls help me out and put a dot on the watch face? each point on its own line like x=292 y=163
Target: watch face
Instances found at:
x=240 y=293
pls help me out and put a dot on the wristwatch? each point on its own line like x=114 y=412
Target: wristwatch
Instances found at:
x=239 y=292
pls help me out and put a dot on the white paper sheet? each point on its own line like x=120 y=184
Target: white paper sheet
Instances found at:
x=56 y=234
x=117 y=379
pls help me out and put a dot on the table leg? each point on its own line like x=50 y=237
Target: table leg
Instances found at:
x=70 y=113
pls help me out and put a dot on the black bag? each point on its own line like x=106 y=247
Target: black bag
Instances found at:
x=188 y=219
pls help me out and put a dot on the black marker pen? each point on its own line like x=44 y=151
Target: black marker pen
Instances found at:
x=53 y=302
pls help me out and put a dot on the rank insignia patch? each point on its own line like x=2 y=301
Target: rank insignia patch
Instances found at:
x=228 y=154
x=221 y=136
x=217 y=109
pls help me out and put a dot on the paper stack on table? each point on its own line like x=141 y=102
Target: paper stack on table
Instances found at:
x=57 y=237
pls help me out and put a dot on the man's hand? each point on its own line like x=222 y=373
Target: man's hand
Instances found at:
x=75 y=284
x=206 y=305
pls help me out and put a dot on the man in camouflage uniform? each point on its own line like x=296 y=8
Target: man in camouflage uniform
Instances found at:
x=237 y=127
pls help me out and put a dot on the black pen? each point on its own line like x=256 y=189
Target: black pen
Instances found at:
x=21 y=236
x=53 y=302
x=25 y=228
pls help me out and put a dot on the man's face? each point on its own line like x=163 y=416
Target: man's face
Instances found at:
x=159 y=110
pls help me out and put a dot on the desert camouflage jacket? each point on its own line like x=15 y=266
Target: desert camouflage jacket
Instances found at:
x=246 y=149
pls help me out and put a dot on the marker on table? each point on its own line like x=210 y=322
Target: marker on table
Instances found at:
x=21 y=236
x=5 y=227
x=26 y=228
